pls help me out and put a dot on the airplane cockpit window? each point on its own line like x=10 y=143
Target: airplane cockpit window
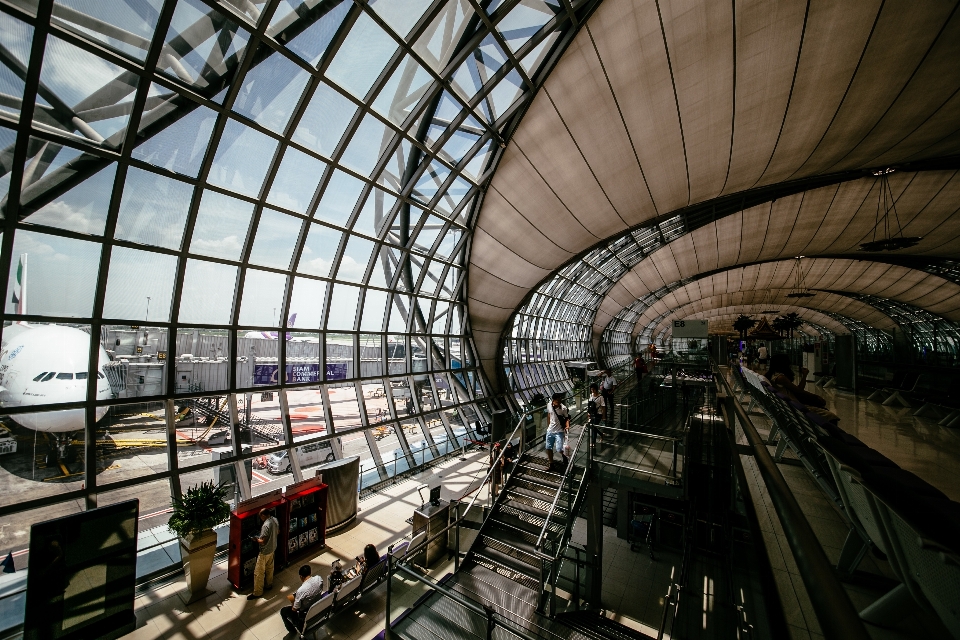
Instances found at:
x=50 y=376
x=37 y=379
x=81 y=375
x=64 y=376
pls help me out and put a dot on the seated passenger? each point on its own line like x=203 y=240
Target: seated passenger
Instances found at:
x=780 y=375
x=311 y=587
x=369 y=558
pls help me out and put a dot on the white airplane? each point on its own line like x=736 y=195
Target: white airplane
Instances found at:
x=46 y=364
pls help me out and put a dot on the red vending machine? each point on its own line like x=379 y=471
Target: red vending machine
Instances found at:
x=244 y=527
x=304 y=529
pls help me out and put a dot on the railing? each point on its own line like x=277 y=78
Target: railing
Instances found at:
x=835 y=612
x=550 y=563
x=493 y=620
x=400 y=464
x=673 y=440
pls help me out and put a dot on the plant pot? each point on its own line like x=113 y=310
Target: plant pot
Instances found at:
x=197 y=551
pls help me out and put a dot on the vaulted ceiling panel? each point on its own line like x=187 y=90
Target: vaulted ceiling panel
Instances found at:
x=546 y=145
x=899 y=46
x=630 y=42
x=833 y=40
x=699 y=39
x=768 y=38
x=584 y=101
x=674 y=110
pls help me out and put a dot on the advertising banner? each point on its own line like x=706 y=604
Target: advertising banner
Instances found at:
x=266 y=374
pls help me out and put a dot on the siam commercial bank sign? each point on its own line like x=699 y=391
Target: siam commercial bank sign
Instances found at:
x=266 y=374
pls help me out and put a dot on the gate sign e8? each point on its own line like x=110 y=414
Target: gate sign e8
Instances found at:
x=690 y=328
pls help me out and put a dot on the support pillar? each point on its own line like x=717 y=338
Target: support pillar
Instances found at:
x=595 y=542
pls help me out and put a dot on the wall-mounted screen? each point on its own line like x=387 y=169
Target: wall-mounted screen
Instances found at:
x=83 y=574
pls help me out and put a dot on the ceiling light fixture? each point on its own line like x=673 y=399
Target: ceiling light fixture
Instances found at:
x=799 y=291
x=887 y=203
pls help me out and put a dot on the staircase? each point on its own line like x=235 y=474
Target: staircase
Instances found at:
x=598 y=627
x=507 y=540
x=504 y=573
x=215 y=410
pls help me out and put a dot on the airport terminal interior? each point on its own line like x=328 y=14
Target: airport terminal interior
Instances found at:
x=285 y=279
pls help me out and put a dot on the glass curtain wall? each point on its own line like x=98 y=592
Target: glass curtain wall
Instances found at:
x=556 y=323
x=233 y=232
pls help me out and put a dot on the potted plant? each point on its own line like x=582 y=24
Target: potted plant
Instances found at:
x=201 y=508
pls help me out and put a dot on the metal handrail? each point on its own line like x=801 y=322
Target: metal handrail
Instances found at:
x=632 y=470
x=835 y=612
x=487 y=612
x=556 y=498
x=461 y=516
x=645 y=435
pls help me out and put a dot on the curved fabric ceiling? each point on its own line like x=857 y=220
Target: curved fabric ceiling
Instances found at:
x=832 y=220
x=655 y=107
x=773 y=281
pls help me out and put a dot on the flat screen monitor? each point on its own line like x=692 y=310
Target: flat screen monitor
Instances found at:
x=82 y=575
x=435 y=495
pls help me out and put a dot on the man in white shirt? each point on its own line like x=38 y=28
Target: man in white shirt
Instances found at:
x=762 y=355
x=557 y=427
x=608 y=386
x=310 y=590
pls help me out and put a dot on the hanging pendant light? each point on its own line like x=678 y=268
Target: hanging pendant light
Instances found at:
x=887 y=204
x=798 y=290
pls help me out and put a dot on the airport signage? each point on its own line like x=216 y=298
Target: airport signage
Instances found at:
x=689 y=328
x=336 y=371
x=265 y=374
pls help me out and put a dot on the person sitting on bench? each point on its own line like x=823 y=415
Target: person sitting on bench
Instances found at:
x=369 y=558
x=310 y=590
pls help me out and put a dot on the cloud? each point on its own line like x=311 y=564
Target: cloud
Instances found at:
x=229 y=246
x=350 y=269
x=315 y=267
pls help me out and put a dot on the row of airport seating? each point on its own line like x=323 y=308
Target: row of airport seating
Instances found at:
x=888 y=508
x=336 y=600
x=934 y=392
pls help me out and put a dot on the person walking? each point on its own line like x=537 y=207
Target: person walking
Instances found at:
x=640 y=368
x=557 y=427
x=268 y=546
x=607 y=388
x=762 y=355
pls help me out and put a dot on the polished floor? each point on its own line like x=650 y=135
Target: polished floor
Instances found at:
x=915 y=443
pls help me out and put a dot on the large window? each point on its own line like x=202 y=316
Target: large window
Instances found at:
x=253 y=218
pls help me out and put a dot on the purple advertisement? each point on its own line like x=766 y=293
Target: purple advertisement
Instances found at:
x=336 y=371
x=266 y=374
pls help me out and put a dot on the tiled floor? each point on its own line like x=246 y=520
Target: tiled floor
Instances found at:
x=916 y=444
x=162 y=613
